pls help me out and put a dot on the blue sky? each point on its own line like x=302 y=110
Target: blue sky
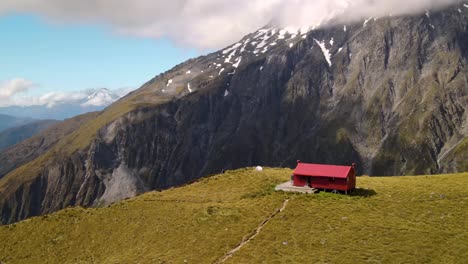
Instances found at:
x=120 y=43
x=71 y=57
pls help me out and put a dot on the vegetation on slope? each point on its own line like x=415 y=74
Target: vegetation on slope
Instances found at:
x=399 y=219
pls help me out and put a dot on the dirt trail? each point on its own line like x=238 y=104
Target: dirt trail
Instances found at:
x=247 y=239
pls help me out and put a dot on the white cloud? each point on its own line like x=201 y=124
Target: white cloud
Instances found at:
x=85 y=98
x=208 y=23
x=48 y=99
x=13 y=87
x=54 y=98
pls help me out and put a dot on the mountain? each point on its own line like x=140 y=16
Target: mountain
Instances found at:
x=99 y=98
x=17 y=134
x=7 y=121
x=214 y=218
x=32 y=148
x=387 y=93
x=65 y=107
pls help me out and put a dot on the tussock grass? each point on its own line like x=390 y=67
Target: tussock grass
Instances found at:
x=400 y=219
x=409 y=219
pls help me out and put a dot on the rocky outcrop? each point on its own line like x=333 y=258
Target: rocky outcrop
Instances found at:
x=391 y=97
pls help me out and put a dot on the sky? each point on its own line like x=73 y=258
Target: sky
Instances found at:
x=38 y=57
x=56 y=46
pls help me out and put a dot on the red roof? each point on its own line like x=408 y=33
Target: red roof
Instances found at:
x=320 y=170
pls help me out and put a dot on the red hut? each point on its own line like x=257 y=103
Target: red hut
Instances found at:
x=328 y=177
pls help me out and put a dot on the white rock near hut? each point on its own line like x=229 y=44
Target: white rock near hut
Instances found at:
x=258 y=168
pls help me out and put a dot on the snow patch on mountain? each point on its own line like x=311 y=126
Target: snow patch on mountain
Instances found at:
x=325 y=51
x=238 y=61
x=188 y=87
x=367 y=21
x=265 y=35
x=233 y=47
x=229 y=57
x=245 y=45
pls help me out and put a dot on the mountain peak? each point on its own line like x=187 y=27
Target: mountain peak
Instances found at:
x=100 y=97
x=64 y=105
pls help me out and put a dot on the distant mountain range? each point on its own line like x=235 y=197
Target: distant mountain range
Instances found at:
x=7 y=121
x=14 y=135
x=31 y=148
x=92 y=100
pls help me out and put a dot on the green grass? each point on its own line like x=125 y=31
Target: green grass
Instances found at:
x=390 y=220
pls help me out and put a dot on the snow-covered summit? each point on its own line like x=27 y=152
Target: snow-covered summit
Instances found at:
x=100 y=97
x=276 y=42
x=62 y=105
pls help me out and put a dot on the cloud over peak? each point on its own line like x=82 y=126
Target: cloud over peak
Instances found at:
x=207 y=24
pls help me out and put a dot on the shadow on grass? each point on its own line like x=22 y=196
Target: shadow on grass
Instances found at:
x=358 y=192
x=341 y=194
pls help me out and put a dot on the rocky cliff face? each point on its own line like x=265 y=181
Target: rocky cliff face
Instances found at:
x=389 y=94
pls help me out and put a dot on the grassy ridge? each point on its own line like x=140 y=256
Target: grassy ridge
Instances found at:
x=400 y=219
